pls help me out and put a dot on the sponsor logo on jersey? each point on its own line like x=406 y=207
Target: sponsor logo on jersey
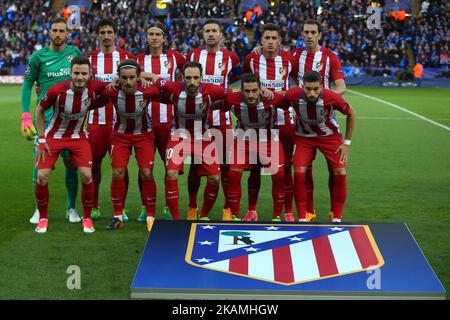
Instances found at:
x=74 y=116
x=218 y=80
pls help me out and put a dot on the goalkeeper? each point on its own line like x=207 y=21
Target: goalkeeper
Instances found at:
x=47 y=67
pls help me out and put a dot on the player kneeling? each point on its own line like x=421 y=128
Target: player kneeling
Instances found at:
x=70 y=100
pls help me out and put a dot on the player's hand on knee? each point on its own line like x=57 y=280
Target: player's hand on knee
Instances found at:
x=43 y=148
x=343 y=149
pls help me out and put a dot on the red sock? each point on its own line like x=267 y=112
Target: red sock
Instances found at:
x=87 y=199
x=141 y=189
x=309 y=184
x=254 y=184
x=339 y=195
x=126 y=180
x=330 y=187
x=224 y=178
x=209 y=198
x=235 y=191
x=149 y=196
x=193 y=186
x=42 y=200
x=117 y=195
x=172 y=198
x=96 y=178
x=278 y=193
x=289 y=189
x=300 y=194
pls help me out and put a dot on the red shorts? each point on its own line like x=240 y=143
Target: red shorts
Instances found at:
x=204 y=156
x=162 y=135
x=122 y=145
x=287 y=135
x=100 y=139
x=79 y=150
x=269 y=155
x=305 y=150
x=224 y=147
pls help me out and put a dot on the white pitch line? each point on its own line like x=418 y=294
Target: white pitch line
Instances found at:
x=401 y=109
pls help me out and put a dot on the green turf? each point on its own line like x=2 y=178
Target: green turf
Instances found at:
x=398 y=172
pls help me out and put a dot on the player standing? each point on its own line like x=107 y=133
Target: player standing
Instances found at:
x=256 y=141
x=314 y=57
x=317 y=128
x=191 y=99
x=273 y=67
x=70 y=101
x=165 y=63
x=220 y=67
x=46 y=67
x=132 y=129
x=100 y=122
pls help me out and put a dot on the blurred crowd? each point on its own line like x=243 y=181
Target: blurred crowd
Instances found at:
x=24 y=29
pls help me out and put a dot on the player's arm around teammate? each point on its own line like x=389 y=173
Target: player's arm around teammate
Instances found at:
x=70 y=100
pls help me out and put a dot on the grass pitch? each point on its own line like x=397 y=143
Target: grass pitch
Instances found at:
x=398 y=171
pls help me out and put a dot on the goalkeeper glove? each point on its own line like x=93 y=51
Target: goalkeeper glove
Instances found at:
x=28 y=129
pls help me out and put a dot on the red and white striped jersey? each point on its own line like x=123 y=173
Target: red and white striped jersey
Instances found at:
x=165 y=65
x=131 y=109
x=323 y=61
x=104 y=68
x=217 y=67
x=316 y=119
x=69 y=108
x=189 y=111
x=260 y=117
x=274 y=75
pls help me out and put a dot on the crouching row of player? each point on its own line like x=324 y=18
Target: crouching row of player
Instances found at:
x=316 y=128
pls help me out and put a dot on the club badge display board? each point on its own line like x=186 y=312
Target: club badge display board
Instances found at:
x=229 y=260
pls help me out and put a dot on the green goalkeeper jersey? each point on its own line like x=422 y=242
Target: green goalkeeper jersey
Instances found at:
x=47 y=67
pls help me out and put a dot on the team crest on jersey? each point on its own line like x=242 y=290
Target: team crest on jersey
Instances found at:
x=221 y=66
x=167 y=64
x=319 y=66
x=69 y=58
x=282 y=71
x=283 y=254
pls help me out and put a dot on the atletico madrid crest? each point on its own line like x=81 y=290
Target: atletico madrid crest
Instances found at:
x=283 y=254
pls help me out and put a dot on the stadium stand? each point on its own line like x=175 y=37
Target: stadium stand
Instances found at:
x=419 y=33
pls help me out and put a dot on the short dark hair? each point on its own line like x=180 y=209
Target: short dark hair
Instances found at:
x=127 y=64
x=79 y=60
x=106 y=22
x=312 y=76
x=313 y=21
x=213 y=21
x=250 y=78
x=271 y=27
x=193 y=64
x=58 y=20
